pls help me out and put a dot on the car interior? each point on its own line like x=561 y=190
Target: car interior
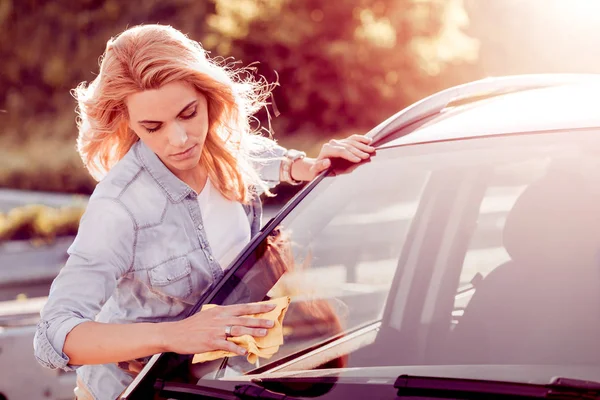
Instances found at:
x=542 y=306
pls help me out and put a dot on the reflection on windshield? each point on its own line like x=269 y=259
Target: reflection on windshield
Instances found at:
x=442 y=257
x=310 y=315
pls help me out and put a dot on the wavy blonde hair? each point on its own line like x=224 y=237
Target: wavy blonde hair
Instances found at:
x=146 y=57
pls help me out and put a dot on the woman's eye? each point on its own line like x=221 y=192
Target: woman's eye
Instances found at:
x=190 y=115
x=150 y=130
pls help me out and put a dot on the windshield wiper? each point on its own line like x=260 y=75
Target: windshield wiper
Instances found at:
x=439 y=387
x=244 y=392
x=257 y=392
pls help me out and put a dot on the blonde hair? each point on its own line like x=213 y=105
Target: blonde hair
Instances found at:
x=146 y=57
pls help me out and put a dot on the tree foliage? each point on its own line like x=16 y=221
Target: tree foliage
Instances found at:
x=342 y=65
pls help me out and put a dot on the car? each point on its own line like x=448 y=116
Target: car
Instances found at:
x=461 y=261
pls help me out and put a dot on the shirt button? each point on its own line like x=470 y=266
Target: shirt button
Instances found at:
x=169 y=278
x=210 y=258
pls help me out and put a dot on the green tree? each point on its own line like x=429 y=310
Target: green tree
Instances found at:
x=344 y=64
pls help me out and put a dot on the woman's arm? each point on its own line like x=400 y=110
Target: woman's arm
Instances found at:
x=103 y=251
x=355 y=148
x=271 y=158
x=99 y=343
x=100 y=255
x=265 y=156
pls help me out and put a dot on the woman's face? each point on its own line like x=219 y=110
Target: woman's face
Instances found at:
x=172 y=121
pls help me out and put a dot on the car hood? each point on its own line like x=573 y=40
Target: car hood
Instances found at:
x=537 y=374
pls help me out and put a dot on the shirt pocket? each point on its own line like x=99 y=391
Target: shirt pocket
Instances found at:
x=172 y=278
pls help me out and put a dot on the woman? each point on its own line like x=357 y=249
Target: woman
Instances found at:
x=166 y=132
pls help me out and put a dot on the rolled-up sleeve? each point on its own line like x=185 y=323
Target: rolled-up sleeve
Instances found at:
x=266 y=157
x=100 y=255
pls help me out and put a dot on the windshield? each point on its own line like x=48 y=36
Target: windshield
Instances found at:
x=482 y=252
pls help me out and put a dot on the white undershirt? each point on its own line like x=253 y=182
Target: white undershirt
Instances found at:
x=225 y=223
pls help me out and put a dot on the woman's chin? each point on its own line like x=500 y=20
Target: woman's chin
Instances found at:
x=187 y=165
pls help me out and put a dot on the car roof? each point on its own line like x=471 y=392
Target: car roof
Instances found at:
x=497 y=106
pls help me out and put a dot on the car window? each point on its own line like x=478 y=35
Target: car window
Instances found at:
x=519 y=265
x=486 y=248
x=412 y=248
x=336 y=253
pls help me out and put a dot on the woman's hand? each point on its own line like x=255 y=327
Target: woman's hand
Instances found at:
x=355 y=148
x=205 y=331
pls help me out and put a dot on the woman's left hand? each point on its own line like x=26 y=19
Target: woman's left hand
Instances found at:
x=355 y=148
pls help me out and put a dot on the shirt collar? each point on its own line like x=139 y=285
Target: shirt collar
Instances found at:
x=174 y=187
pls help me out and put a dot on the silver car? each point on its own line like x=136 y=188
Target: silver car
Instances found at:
x=461 y=261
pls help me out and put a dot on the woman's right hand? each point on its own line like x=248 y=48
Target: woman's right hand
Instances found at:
x=205 y=330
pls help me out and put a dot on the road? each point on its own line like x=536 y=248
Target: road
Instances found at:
x=28 y=269
x=10 y=198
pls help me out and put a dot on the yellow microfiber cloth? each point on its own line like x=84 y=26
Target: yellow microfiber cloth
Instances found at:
x=264 y=346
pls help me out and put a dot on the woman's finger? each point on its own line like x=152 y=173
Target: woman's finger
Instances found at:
x=226 y=345
x=362 y=146
x=320 y=166
x=237 y=330
x=361 y=138
x=251 y=322
x=337 y=150
x=356 y=151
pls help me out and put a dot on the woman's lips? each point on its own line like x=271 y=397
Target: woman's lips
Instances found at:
x=186 y=154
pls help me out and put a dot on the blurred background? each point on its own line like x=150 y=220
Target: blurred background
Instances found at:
x=342 y=66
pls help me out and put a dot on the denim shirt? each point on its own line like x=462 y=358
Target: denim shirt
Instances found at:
x=140 y=255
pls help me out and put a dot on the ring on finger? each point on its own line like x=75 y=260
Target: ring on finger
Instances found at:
x=228 y=331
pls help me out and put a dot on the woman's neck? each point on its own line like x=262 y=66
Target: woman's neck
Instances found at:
x=195 y=178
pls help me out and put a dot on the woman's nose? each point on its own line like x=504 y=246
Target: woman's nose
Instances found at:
x=177 y=135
